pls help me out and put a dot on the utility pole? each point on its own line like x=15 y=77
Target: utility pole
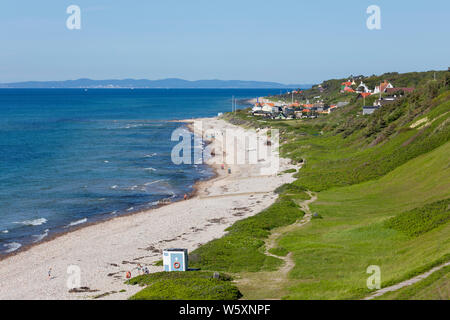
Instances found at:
x=380 y=90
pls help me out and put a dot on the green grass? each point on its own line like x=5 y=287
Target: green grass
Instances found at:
x=242 y=249
x=331 y=254
x=191 y=285
x=421 y=220
x=435 y=287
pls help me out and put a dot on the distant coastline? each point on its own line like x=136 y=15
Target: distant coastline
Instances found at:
x=171 y=83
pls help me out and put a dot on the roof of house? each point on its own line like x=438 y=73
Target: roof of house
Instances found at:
x=348 y=89
x=365 y=94
x=371 y=107
x=394 y=90
x=383 y=86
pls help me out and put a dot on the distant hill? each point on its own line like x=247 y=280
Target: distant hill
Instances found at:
x=144 y=83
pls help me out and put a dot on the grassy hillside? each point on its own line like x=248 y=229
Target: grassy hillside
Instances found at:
x=332 y=254
x=383 y=186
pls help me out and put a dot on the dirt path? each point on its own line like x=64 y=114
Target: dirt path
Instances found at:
x=271 y=285
x=271 y=242
x=406 y=283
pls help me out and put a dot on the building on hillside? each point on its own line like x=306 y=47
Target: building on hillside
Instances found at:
x=383 y=87
x=332 y=108
x=287 y=111
x=363 y=95
x=369 y=109
x=270 y=107
x=257 y=108
x=348 y=89
x=383 y=101
x=362 y=88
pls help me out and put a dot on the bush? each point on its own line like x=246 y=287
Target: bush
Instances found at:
x=191 y=285
x=421 y=220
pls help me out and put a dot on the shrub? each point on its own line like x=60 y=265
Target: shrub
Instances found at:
x=191 y=285
x=421 y=220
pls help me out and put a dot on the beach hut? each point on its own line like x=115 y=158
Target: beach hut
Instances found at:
x=175 y=260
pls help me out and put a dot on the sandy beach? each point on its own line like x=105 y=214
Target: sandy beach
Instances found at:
x=105 y=251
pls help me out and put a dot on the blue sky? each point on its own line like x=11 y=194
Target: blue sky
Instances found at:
x=286 y=41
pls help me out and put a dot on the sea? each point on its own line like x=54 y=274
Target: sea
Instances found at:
x=74 y=156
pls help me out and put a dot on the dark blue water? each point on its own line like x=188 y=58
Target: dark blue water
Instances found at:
x=72 y=156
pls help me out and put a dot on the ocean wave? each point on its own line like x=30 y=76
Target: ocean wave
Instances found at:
x=39 y=237
x=130 y=209
x=150 y=169
x=153 y=182
x=150 y=155
x=74 y=223
x=5 y=231
x=35 y=222
x=12 y=246
x=114 y=186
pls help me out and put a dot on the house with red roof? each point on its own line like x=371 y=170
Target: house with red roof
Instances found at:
x=383 y=87
x=364 y=94
x=348 y=89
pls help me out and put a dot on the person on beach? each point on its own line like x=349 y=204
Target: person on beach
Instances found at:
x=139 y=267
x=49 y=273
x=128 y=275
x=185 y=196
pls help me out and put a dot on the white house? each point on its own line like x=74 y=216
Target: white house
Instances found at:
x=362 y=88
x=383 y=87
x=257 y=108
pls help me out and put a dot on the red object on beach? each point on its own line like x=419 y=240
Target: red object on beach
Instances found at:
x=128 y=275
x=223 y=167
x=185 y=196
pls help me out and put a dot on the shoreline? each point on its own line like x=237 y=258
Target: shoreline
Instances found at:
x=106 y=249
x=98 y=219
